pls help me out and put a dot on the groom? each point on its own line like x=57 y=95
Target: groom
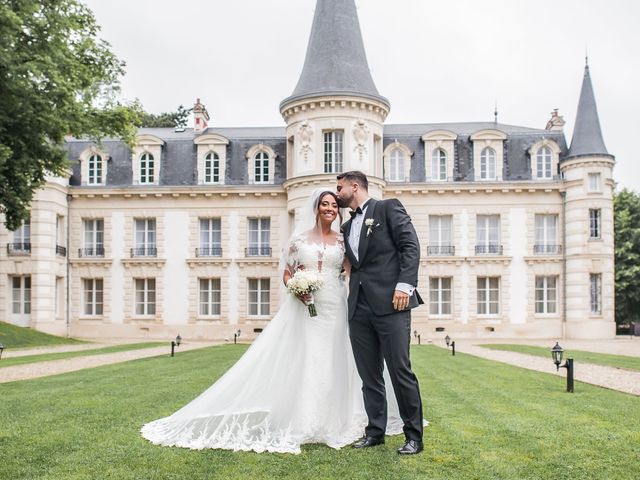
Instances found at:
x=384 y=252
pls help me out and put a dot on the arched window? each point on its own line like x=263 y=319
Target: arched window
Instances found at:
x=147 y=168
x=488 y=164
x=212 y=168
x=396 y=166
x=261 y=167
x=95 y=170
x=543 y=159
x=439 y=164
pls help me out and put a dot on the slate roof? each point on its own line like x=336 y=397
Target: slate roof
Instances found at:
x=179 y=155
x=336 y=62
x=587 y=135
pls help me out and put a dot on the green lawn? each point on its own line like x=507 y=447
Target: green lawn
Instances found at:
x=617 y=361
x=43 y=357
x=488 y=421
x=12 y=336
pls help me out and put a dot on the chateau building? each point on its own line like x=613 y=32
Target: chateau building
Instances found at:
x=183 y=233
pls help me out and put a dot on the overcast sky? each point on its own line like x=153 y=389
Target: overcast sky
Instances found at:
x=435 y=61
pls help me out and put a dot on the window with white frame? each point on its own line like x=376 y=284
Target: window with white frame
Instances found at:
x=488 y=164
x=333 y=150
x=209 y=296
x=261 y=167
x=488 y=234
x=259 y=237
x=594 y=182
x=21 y=294
x=595 y=225
x=212 y=168
x=145 y=245
x=210 y=238
x=488 y=295
x=546 y=234
x=145 y=296
x=259 y=296
x=440 y=295
x=396 y=166
x=95 y=170
x=546 y=294
x=147 y=168
x=595 y=283
x=93 y=296
x=93 y=237
x=22 y=237
x=439 y=165
x=440 y=238
x=543 y=160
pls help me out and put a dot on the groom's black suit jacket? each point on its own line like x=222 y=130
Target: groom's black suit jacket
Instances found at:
x=389 y=254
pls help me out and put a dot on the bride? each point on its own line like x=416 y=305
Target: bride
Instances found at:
x=297 y=383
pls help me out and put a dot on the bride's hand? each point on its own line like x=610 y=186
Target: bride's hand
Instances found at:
x=305 y=298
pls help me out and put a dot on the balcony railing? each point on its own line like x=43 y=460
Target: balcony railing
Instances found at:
x=541 y=249
x=144 y=252
x=22 y=248
x=209 y=252
x=60 y=250
x=91 y=252
x=488 y=249
x=441 y=250
x=257 y=252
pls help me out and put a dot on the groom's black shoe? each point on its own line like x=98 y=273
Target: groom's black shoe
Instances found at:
x=411 y=447
x=367 y=441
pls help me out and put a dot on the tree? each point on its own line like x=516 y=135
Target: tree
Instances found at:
x=626 y=205
x=57 y=78
x=176 y=119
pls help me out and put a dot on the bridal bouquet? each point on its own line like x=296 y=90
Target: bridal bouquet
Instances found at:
x=303 y=283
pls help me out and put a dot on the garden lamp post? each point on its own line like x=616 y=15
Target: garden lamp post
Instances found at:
x=453 y=349
x=556 y=354
x=447 y=340
x=235 y=336
x=1 y=349
x=417 y=335
x=175 y=343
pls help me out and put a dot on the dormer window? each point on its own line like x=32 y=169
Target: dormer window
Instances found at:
x=212 y=168
x=396 y=166
x=95 y=170
x=261 y=165
x=147 y=168
x=93 y=166
x=439 y=165
x=543 y=163
x=397 y=162
x=261 y=168
x=544 y=156
x=488 y=164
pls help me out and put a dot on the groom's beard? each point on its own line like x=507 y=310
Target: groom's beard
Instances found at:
x=342 y=203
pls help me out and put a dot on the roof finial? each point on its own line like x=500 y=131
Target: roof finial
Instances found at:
x=495 y=111
x=586 y=55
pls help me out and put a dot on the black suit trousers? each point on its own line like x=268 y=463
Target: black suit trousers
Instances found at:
x=377 y=338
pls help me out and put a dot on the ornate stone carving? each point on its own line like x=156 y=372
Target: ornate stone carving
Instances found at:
x=305 y=134
x=360 y=135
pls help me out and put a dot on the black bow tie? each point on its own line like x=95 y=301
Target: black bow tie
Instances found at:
x=357 y=211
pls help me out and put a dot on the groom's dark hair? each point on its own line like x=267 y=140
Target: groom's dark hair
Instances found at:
x=356 y=176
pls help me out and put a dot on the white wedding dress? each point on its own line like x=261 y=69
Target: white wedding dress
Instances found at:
x=296 y=384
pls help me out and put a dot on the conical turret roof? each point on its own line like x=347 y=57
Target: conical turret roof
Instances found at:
x=336 y=62
x=587 y=135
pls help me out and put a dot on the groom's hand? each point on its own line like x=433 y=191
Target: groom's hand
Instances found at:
x=400 y=300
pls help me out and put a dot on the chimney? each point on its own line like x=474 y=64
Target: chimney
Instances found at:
x=556 y=122
x=200 y=117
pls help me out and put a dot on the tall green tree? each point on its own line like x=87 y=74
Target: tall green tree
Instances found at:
x=57 y=78
x=626 y=205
